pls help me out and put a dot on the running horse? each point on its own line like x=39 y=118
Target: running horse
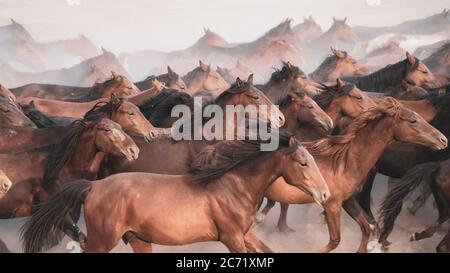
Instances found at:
x=436 y=176
x=345 y=160
x=118 y=85
x=206 y=204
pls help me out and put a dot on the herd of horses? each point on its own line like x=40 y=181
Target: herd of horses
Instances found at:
x=108 y=151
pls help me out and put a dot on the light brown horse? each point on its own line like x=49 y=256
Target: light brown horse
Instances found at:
x=39 y=172
x=436 y=176
x=203 y=78
x=53 y=107
x=346 y=159
x=307 y=31
x=215 y=202
x=339 y=64
x=289 y=78
x=118 y=85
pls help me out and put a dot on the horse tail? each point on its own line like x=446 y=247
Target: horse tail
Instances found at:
x=392 y=204
x=45 y=228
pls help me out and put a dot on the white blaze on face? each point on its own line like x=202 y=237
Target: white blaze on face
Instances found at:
x=118 y=134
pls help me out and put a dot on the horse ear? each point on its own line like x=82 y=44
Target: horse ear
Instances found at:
x=411 y=59
x=32 y=104
x=345 y=20
x=250 y=79
x=239 y=82
x=203 y=66
x=338 y=53
x=292 y=141
x=334 y=19
x=404 y=85
x=170 y=72
x=339 y=83
x=113 y=74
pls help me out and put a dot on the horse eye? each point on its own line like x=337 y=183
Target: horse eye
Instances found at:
x=303 y=164
x=414 y=121
x=310 y=107
x=108 y=130
x=425 y=72
x=131 y=113
x=256 y=97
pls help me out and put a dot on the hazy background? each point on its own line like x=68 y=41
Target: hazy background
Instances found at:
x=127 y=26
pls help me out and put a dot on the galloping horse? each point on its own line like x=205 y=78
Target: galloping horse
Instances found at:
x=346 y=159
x=216 y=201
x=338 y=65
x=118 y=85
x=289 y=78
x=37 y=173
x=435 y=175
x=127 y=115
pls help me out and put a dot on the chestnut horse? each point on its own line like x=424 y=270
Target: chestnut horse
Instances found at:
x=119 y=110
x=289 y=78
x=179 y=154
x=435 y=175
x=118 y=85
x=346 y=159
x=205 y=205
x=38 y=172
x=11 y=114
x=339 y=64
x=398 y=158
x=170 y=80
x=203 y=78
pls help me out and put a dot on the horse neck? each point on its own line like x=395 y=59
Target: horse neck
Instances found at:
x=291 y=123
x=423 y=107
x=367 y=147
x=275 y=89
x=85 y=161
x=333 y=113
x=249 y=181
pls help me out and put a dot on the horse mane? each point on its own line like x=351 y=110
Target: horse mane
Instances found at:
x=441 y=53
x=286 y=101
x=62 y=152
x=442 y=118
x=329 y=93
x=98 y=87
x=104 y=109
x=233 y=89
x=337 y=147
x=157 y=108
x=285 y=73
x=216 y=160
x=388 y=76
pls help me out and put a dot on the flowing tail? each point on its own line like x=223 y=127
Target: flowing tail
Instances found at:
x=392 y=204
x=46 y=226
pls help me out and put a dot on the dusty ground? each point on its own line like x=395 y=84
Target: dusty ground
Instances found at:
x=310 y=233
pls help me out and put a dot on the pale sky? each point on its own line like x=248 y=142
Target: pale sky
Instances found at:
x=130 y=25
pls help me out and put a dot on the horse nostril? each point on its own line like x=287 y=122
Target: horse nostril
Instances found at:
x=444 y=140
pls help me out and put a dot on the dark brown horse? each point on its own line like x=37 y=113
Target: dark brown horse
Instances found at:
x=338 y=65
x=37 y=173
x=118 y=85
x=435 y=175
x=389 y=78
x=346 y=159
x=289 y=78
x=170 y=80
x=205 y=205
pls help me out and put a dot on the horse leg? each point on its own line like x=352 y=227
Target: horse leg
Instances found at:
x=234 y=242
x=444 y=245
x=352 y=207
x=364 y=197
x=260 y=216
x=254 y=245
x=282 y=221
x=333 y=218
x=138 y=245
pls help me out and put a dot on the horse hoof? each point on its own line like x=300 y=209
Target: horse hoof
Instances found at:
x=286 y=229
x=260 y=218
x=412 y=238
